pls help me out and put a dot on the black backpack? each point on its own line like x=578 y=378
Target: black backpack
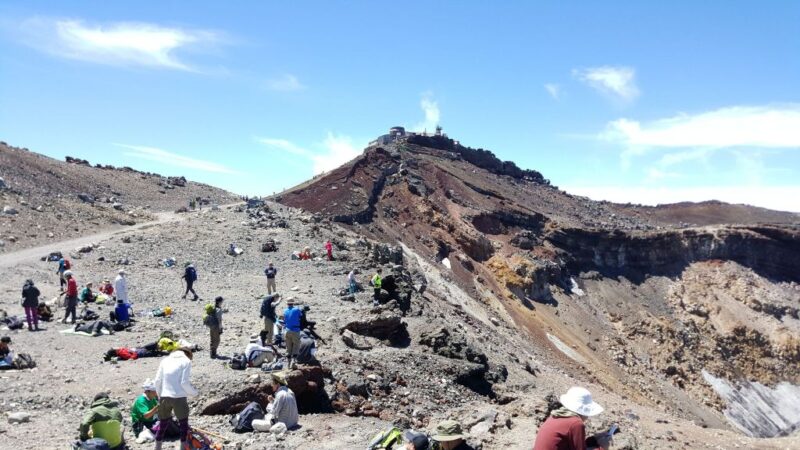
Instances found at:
x=94 y=444
x=191 y=274
x=238 y=362
x=243 y=422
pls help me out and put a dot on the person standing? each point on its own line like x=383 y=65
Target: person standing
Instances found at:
x=270 y=272
x=121 y=286
x=213 y=320
x=190 y=275
x=30 y=301
x=268 y=306
x=173 y=385
x=63 y=266
x=72 y=297
x=352 y=284
x=377 y=281
x=329 y=249
x=291 y=320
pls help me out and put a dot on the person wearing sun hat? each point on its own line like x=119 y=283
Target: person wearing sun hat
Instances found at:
x=450 y=436
x=565 y=428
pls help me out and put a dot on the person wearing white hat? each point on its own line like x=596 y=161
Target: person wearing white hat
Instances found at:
x=144 y=409
x=565 y=428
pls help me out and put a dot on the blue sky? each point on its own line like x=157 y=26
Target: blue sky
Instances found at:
x=627 y=101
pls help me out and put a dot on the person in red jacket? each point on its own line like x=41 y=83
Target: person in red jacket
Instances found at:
x=72 y=297
x=329 y=249
x=565 y=429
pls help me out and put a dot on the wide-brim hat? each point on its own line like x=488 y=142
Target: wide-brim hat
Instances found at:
x=448 y=430
x=579 y=400
x=67 y=273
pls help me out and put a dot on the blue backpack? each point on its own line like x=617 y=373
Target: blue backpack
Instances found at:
x=191 y=274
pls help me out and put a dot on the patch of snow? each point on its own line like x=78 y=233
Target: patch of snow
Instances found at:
x=758 y=410
x=446 y=263
x=575 y=289
x=565 y=349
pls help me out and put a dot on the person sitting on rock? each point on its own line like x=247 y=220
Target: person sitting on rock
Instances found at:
x=450 y=436
x=145 y=408
x=282 y=405
x=121 y=313
x=107 y=288
x=565 y=428
x=6 y=355
x=86 y=295
x=305 y=254
x=307 y=350
x=104 y=420
x=259 y=352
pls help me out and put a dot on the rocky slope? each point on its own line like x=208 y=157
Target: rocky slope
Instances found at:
x=42 y=199
x=604 y=287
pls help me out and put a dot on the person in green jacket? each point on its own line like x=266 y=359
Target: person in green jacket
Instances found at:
x=104 y=420
x=144 y=409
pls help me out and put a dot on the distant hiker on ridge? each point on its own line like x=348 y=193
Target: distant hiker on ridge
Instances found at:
x=329 y=249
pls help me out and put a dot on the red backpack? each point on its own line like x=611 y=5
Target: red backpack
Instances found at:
x=67 y=264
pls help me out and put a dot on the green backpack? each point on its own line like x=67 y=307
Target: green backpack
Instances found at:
x=385 y=439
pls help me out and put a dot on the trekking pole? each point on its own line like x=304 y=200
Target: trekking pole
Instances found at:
x=218 y=436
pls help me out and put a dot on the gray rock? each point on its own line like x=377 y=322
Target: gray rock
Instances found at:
x=9 y=211
x=117 y=206
x=19 y=417
x=2 y=183
x=86 y=198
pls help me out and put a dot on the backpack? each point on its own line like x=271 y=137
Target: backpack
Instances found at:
x=238 y=362
x=23 y=361
x=243 y=422
x=196 y=440
x=68 y=266
x=94 y=444
x=191 y=274
x=385 y=439
x=88 y=315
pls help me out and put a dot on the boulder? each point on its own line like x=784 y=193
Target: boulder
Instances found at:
x=19 y=417
x=356 y=341
x=384 y=326
x=86 y=198
x=2 y=184
x=386 y=254
x=9 y=211
x=117 y=206
x=177 y=181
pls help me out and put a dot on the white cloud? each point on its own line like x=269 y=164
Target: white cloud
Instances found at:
x=781 y=198
x=118 y=43
x=618 y=82
x=335 y=151
x=285 y=83
x=432 y=114
x=554 y=90
x=736 y=126
x=174 y=159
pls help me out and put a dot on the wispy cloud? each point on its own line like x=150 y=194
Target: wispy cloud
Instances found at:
x=285 y=83
x=736 y=126
x=334 y=151
x=430 y=108
x=781 y=198
x=616 y=82
x=174 y=159
x=116 y=43
x=554 y=90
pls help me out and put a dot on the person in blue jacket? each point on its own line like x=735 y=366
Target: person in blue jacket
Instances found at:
x=291 y=319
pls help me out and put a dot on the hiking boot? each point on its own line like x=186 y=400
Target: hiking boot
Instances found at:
x=196 y=298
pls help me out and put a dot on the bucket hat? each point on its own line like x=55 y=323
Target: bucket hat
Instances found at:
x=448 y=430
x=579 y=400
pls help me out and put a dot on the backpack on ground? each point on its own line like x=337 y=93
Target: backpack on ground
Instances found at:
x=23 y=361
x=88 y=315
x=386 y=439
x=196 y=440
x=94 y=444
x=238 y=362
x=243 y=422
x=68 y=266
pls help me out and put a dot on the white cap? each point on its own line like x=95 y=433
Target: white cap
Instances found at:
x=148 y=385
x=579 y=400
x=121 y=271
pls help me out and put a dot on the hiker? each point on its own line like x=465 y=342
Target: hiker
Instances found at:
x=352 y=284
x=213 y=320
x=107 y=288
x=72 y=297
x=260 y=351
x=44 y=313
x=94 y=328
x=291 y=321
x=190 y=275
x=104 y=419
x=329 y=249
x=122 y=312
x=415 y=441
x=86 y=295
x=377 y=280
x=270 y=272
x=121 y=286
x=30 y=301
x=144 y=409
x=565 y=428
x=268 y=306
x=6 y=355
x=63 y=266
x=173 y=386
x=305 y=254
x=307 y=349
x=450 y=436
x=282 y=406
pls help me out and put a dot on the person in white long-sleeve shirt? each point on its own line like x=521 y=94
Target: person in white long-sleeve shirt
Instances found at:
x=173 y=385
x=282 y=406
x=121 y=287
